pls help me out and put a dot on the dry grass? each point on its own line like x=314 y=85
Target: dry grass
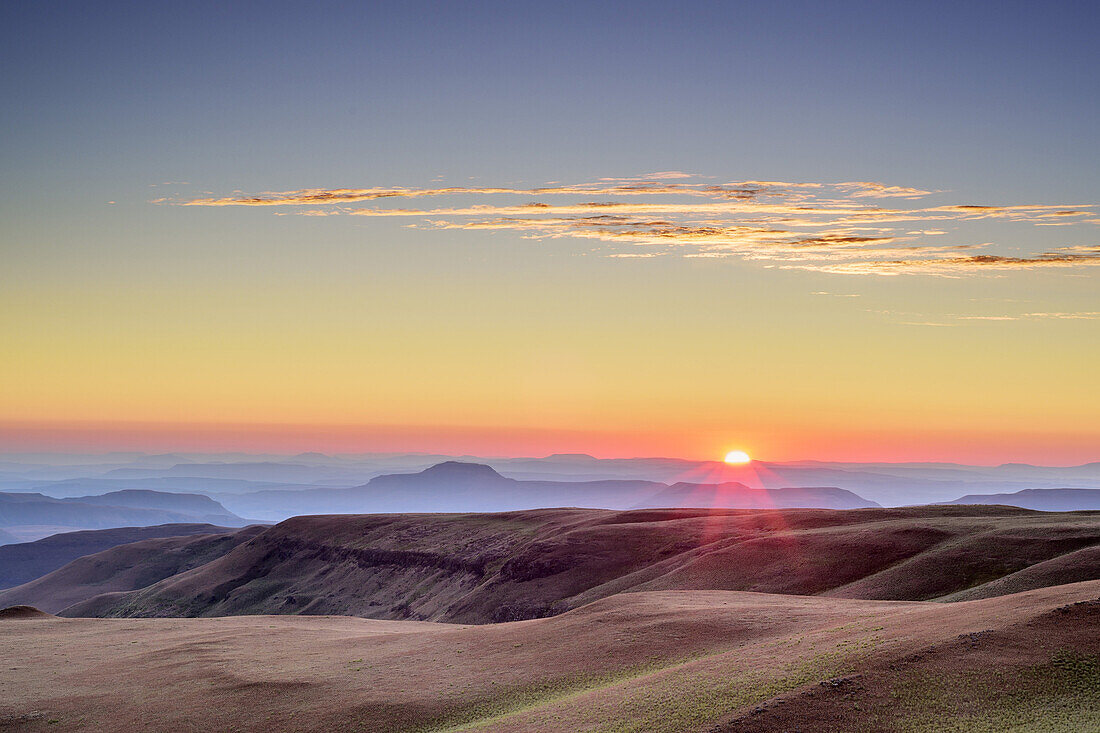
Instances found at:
x=665 y=662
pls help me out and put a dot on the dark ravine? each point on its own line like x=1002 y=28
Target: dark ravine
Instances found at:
x=479 y=568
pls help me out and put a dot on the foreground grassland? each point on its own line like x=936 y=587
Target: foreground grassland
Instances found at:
x=661 y=662
x=1061 y=695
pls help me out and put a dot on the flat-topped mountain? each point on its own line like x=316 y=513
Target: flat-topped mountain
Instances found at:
x=38 y=515
x=199 y=505
x=734 y=495
x=1047 y=500
x=454 y=471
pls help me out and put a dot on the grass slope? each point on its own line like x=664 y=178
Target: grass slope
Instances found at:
x=478 y=568
x=123 y=568
x=660 y=662
x=25 y=561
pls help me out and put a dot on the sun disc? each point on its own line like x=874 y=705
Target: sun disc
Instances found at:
x=737 y=457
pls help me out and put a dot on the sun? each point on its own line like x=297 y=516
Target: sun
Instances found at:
x=737 y=457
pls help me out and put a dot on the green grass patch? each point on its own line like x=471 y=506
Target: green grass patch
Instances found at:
x=1062 y=695
x=656 y=697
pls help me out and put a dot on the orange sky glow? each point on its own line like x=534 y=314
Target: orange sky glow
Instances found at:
x=974 y=448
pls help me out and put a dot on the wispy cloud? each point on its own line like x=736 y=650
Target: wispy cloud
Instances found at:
x=925 y=323
x=659 y=176
x=871 y=189
x=957 y=266
x=851 y=227
x=606 y=187
x=1074 y=316
x=960 y=319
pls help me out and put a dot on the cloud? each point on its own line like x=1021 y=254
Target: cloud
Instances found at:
x=1079 y=316
x=871 y=189
x=924 y=323
x=955 y=266
x=1075 y=316
x=852 y=227
x=781 y=184
x=659 y=176
x=330 y=196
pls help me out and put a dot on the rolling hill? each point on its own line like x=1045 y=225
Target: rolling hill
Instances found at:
x=123 y=568
x=26 y=561
x=478 y=568
x=652 y=662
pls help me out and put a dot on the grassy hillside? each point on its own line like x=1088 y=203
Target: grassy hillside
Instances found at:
x=478 y=568
x=123 y=568
x=653 y=662
x=25 y=561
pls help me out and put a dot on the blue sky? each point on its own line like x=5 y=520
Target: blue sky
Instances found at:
x=963 y=95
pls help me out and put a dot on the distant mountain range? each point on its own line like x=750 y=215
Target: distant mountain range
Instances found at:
x=76 y=487
x=454 y=486
x=273 y=488
x=30 y=516
x=890 y=484
x=1047 y=500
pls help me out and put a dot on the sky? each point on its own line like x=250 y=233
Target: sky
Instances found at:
x=839 y=231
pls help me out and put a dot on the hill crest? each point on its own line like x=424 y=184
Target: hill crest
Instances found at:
x=477 y=568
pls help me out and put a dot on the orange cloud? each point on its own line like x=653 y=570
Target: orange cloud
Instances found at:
x=322 y=196
x=872 y=189
x=826 y=227
x=954 y=266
